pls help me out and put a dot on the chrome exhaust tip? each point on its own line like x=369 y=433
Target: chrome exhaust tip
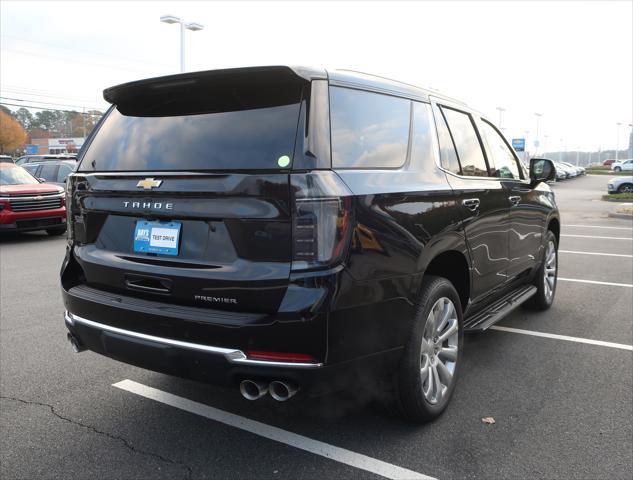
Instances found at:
x=253 y=389
x=74 y=343
x=282 y=391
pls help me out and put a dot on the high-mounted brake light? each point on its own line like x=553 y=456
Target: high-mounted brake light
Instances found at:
x=321 y=219
x=280 y=356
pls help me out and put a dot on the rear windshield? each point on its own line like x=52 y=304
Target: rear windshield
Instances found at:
x=237 y=128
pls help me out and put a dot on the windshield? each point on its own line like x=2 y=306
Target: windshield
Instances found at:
x=245 y=127
x=16 y=176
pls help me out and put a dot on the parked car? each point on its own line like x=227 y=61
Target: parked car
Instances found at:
x=39 y=158
x=26 y=204
x=52 y=171
x=608 y=162
x=575 y=168
x=569 y=172
x=620 y=185
x=297 y=249
x=623 y=166
x=6 y=159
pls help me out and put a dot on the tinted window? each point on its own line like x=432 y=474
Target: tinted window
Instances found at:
x=31 y=168
x=49 y=172
x=239 y=127
x=369 y=130
x=502 y=161
x=448 y=156
x=63 y=172
x=471 y=157
x=421 y=143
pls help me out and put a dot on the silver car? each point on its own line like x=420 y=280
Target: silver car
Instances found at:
x=620 y=185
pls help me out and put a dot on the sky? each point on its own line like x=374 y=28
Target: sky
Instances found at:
x=570 y=61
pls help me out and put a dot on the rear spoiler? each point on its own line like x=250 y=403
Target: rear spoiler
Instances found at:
x=160 y=86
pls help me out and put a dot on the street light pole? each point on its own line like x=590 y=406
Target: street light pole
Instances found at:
x=617 y=140
x=193 y=26
x=501 y=110
x=536 y=142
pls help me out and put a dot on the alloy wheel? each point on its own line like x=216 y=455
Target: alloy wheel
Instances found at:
x=440 y=343
x=549 y=272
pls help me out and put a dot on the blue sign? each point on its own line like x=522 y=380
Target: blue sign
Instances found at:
x=518 y=144
x=157 y=237
x=32 y=149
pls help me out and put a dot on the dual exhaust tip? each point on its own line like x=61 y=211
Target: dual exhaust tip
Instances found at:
x=279 y=390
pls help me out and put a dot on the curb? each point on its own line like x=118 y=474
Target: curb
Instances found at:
x=626 y=216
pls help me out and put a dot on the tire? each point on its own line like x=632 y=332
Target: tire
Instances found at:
x=415 y=394
x=56 y=231
x=617 y=169
x=546 y=289
x=625 y=188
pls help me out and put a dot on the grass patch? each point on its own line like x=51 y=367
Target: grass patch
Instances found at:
x=596 y=171
x=619 y=197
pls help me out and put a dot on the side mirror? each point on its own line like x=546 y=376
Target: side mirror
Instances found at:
x=541 y=170
x=41 y=180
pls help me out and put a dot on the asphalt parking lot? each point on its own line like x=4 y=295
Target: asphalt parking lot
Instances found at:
x=562 y=402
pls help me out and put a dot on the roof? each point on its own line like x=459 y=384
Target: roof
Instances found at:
x=349 y=78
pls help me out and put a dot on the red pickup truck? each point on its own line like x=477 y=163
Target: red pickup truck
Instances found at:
x=26 y=204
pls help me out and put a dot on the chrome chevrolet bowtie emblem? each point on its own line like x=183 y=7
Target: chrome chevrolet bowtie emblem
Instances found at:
x=149 y=183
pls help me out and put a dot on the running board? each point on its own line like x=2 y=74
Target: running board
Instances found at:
x=499 y=309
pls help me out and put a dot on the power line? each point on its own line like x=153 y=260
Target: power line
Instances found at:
x=53 y=109
x=48 y=103
x=27 y=91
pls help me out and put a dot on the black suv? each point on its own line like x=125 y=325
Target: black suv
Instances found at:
x=295 y=230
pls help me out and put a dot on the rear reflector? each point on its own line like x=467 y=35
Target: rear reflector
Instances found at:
x=280 y=356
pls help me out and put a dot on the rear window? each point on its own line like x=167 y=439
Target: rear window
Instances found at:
x=233 y=128
x=369 y=130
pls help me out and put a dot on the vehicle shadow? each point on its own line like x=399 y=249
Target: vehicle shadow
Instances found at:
x=38 y=236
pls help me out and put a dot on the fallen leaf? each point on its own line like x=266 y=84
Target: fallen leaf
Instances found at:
x=488 y=420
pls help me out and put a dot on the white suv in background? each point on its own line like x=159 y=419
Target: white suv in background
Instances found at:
x=620 y=185
x=623 y=165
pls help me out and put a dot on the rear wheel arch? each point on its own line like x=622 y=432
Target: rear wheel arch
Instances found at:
x=453 y=266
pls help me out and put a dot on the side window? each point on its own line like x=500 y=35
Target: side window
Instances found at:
x=471 y=157
x=421 y=143
x=63 y=172
x=49 y=172
x=448 y=156
x=32 y=169
x=502 y=162
x=369 y=130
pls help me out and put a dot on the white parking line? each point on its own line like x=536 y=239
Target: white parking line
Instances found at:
x=596 y=282
x=596 y=253
x=593 y=236
x=621 y=346
x=337 y=454
x=601 y=226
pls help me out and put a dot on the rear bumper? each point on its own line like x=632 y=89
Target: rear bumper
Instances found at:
x=222 y=365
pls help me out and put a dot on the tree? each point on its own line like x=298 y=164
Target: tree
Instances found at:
x=12 y=135
x=25 y=117
x=46 y=120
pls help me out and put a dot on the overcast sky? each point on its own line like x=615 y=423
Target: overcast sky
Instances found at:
x=571 y=61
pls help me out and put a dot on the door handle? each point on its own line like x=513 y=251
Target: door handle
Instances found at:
x=471 y=204
x=514 y=199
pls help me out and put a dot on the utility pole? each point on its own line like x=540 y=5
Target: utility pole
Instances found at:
x=501 y=110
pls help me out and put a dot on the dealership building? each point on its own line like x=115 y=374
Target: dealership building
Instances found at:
x=42 y=146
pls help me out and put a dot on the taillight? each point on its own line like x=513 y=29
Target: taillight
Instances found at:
x=320 y=219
